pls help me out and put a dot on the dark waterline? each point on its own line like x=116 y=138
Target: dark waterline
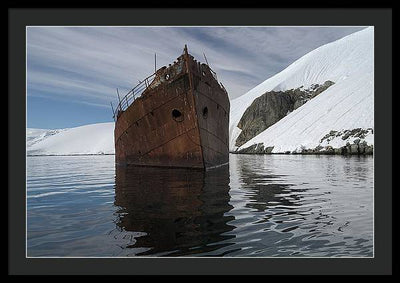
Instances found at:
x=258 y=206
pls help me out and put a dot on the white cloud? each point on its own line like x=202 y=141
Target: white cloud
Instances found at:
x=88 y=63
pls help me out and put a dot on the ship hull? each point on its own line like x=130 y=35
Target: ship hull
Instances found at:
x=182 y=122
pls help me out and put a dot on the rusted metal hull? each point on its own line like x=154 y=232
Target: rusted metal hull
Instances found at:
x=180 y=120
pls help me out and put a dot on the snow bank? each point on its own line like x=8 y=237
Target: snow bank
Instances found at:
x=88 y=139
x=348 y=104
x=36 y=135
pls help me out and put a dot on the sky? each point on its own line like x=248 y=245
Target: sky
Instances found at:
x=73 y=72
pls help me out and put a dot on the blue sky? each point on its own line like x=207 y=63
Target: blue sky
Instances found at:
x=73 y=72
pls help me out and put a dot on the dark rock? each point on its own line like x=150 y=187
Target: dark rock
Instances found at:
x=369 y=149
x=269 y=149
x=249 y=149
x=338 y=150
x=331 y=134
x=265 y=111
x=329 y=150
x=346 y=135
x=255 y=149
x=321 y=88
x=272 y=106
x=361 y=148
x=348 y=148
x=259 y=148
x=318 y=148
x=354 y=149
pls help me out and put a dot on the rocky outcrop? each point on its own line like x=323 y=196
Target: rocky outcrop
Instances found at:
x=265 y=111
x=355 y=143
x=302 y=95
x=272 y=106
x=358 y=133
x=256 y=149
x=355 y=148
x=351 y=142
x=360 y=148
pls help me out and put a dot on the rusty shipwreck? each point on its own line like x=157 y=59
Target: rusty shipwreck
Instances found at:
x=176 y=117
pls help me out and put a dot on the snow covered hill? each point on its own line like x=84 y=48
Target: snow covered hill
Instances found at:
x=345 y=107
x=36 y=135
x=88 y=139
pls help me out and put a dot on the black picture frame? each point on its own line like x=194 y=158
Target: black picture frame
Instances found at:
x=380 y=18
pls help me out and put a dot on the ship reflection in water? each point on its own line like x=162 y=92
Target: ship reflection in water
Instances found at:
x=173 y=211
x=259 y=206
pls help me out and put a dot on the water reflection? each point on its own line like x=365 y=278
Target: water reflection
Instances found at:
x=173 y=211
x=301 y=206
x=266 y=206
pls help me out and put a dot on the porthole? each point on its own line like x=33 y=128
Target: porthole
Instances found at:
x=177 y=115
x=205 y=112
x=167 y=77
x=203 y=73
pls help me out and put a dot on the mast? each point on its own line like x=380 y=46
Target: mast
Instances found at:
x=186 y=56
x=206 y=59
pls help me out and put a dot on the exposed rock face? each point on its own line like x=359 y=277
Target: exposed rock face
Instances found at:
x=301 y=95
x=355 y=145
x=355 y=141
x=256 y=149
x=358 y=133
x=272 y=106
x=349 y=149
x=265 y=111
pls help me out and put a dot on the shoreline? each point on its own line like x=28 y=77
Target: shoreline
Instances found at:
x=232 y=152
x=76 y=154
x=303 y=153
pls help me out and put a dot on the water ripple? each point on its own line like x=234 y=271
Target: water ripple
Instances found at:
x=258 y=206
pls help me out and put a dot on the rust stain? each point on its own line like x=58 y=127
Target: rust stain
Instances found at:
x=177 y=117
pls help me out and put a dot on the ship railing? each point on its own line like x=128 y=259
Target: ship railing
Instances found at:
x=132 y=95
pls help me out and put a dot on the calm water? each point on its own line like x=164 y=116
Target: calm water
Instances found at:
x=258 y=206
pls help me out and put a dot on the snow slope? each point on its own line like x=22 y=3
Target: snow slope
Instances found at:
x=88 y=139
x=36 y=135
x=348 y=104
